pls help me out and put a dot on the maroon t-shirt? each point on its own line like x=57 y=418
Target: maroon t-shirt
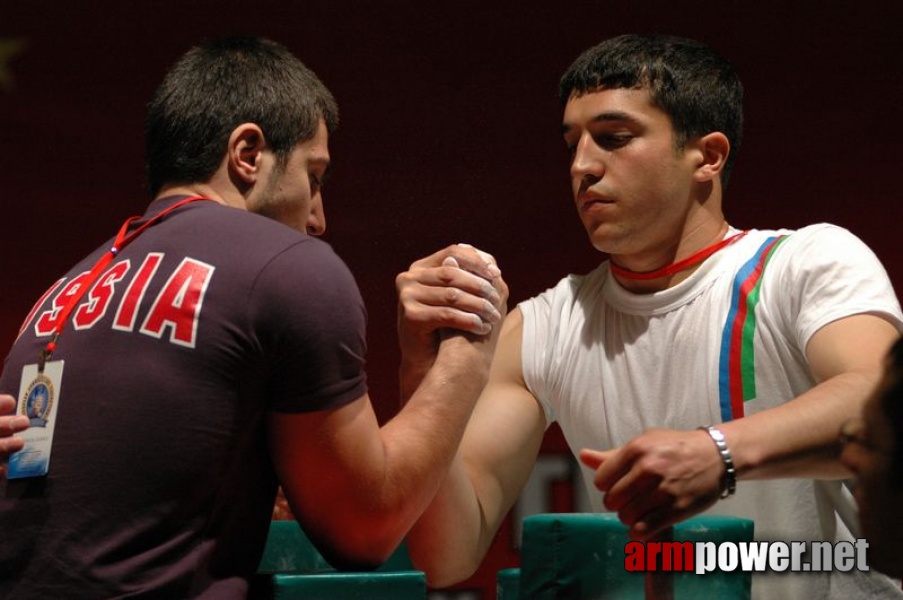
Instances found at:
x=160 y=484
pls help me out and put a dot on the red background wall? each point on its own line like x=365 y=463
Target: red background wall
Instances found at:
x=450 y=131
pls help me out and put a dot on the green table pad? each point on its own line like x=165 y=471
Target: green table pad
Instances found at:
x=578 y=556
x=406 y=585
x=289 y=550
x=507 y=584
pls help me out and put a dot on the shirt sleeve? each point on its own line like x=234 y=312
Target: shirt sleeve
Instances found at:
x=831 y=274
x=312 y=327
x=536 y=349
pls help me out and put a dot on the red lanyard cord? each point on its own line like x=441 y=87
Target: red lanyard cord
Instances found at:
x=119 y=243
x=678 y=266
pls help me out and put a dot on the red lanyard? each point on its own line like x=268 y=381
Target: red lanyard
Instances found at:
x=122 y=240
x=678 y=266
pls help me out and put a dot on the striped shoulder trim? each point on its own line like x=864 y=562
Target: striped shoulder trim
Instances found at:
x=736 y=368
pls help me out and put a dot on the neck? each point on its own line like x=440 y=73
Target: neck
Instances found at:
x=648 y=276
x=200 y=189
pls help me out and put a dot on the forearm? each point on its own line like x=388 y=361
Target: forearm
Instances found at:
x=401 y=470
x=357 y=488
x=452 y=536
x=493 y=463
x=372 y=482
x=798 y=439
x=420 y=442
x=410 y=375
x=666 y=475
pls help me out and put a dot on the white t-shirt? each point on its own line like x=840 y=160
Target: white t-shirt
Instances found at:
x=728 y=341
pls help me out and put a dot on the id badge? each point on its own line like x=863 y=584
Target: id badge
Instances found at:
x=39 y=400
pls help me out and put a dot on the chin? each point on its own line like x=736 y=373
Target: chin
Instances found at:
x=612 y=239
x=600 y=241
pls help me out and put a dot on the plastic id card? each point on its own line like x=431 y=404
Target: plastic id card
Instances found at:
x=39 y=400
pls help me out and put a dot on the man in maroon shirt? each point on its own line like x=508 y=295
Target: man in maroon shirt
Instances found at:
x=215 y=353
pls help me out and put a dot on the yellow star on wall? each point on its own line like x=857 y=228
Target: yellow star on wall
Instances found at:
x=8 y=49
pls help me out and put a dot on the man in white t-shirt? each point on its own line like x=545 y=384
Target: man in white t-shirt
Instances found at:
x=699 y=362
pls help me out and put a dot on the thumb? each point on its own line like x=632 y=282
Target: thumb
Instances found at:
x=593 y=458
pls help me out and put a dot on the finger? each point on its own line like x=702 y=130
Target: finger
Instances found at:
x=12 y=424
x=7 y=404
x=669 y=511
x=494 y=289
x=472 y=284
x=634 y=500
x=476 y=261
x=451 y=276
x=466 y=322
x=615 y=466
x=433 y=260
x=485 y=256
x=634 y=488
x=593 y=458
x=428 y=319
x=419 y=303
x=469 y=259
x=450 y=303
x=9 y=445
x=654 y=523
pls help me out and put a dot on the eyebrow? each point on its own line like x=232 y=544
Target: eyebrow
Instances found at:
x=614 y=116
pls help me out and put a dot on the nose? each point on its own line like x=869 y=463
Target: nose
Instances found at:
x=587 y=162
x=316 y=220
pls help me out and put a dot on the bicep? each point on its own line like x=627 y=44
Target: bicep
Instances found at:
x=854 y=343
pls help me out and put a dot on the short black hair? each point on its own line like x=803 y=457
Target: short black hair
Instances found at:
x=219 y=85
x=694 y=86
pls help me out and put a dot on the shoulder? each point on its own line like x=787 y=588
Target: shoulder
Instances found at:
x=306 y=281
x=808 y=249
x=265 y=245
x=563 y=308
x=239 y=224
x=311 y=259
x=822 y=273
x=824 y=245
x=823 y=233
x=810 y=235
x=569 y=288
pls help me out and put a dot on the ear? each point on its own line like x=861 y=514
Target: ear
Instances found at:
x=245 y=151
x=713 y=151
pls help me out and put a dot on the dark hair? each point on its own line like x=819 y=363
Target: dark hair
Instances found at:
x=694 y=86
x=892 y=405
x=219 y=85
